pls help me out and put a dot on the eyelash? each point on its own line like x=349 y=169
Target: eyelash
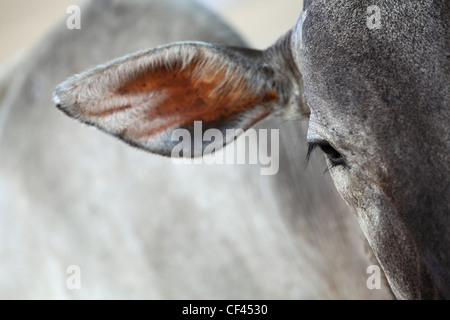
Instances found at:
x=334 y=156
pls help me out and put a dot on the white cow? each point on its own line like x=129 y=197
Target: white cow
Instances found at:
x=74 y=202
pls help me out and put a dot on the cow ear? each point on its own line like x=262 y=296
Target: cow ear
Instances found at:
x=144 y=97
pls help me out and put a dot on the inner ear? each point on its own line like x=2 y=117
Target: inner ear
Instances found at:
x=203 y=88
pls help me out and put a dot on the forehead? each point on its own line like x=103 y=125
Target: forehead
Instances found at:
x=340 y=60
x=348 y=65
x=389 y=86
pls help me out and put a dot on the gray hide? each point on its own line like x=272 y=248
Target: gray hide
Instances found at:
x=139 y=226
x=380 y=97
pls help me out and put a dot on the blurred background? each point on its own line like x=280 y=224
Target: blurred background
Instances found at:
x=137 y=225
x=24 y=22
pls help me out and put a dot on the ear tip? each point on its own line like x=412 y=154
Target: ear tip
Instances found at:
x=61 y=98
x=56 y=99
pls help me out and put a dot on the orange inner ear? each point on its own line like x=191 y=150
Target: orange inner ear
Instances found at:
x=195 y=99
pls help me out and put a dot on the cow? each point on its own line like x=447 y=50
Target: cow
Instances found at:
x=372 y=81
x=85 y=217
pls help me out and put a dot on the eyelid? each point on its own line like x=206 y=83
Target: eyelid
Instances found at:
x=319 y=142
x=314 y=143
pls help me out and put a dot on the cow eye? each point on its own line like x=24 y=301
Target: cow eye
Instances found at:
x=332 y=154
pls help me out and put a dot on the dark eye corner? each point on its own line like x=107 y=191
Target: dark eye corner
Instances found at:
x=332 y=154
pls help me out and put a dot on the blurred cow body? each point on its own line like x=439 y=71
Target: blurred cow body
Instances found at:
x=139 y=226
